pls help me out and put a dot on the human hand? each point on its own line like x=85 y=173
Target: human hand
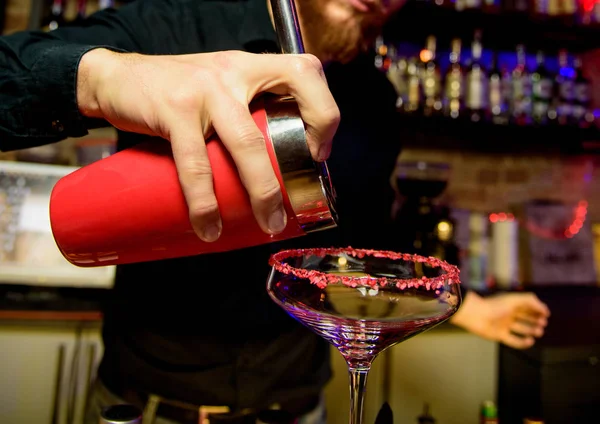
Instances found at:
x=515 y=319
x=185 y=98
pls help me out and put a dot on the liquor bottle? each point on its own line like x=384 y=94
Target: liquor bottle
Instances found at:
x=498 y=93
x=581 y=95
x=454 y=83
x=431 y=79
x=473 y=4
x=56 y=17
x=476 y=94
x=521 y=90
x=541 y=87
x=380 y=52
x=398 y=76
x=413 y=102
x=565 y=85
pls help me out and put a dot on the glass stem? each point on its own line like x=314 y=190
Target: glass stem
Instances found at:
x=358 y=388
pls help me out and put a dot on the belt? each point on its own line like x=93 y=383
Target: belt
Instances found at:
x=185 y=413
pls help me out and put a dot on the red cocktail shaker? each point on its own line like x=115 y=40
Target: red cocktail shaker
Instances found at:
x=129 y=207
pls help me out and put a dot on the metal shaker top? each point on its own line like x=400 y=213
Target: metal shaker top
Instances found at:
x=307 y=182
x=121 y=414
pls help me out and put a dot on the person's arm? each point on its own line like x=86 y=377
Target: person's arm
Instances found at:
x=172 y=87
x=514 y=319
x=38 y=71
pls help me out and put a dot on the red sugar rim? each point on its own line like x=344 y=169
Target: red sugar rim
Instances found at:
x=322 y=279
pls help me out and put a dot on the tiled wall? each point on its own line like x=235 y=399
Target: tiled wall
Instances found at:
x=488 y=183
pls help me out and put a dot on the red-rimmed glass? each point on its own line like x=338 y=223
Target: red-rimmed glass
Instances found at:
x=363 y=301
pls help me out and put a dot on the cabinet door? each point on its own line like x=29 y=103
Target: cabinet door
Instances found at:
x=34 y=365
x=451 y=370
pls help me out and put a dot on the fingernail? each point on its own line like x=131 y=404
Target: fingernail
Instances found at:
x=211 y=232
x=277 y=221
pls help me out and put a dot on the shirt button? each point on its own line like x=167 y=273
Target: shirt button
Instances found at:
x=58 y=126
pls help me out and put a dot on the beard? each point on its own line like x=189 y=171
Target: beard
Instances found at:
x=337 y=39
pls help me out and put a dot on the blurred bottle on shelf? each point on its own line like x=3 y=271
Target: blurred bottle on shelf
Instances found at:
x=55 y=17
x=476 y=86
x=565 y=85
x=413 y=101
x=499 y=92
x=545 y=95
x=454 y=83
x=431 y=79
x=521 y=90
x=582 y=88
x=541 y=89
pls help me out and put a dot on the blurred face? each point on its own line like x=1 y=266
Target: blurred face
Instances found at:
x=338 y=30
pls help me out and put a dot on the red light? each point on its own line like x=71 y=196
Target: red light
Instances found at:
x=493 y=217
x=502 y=216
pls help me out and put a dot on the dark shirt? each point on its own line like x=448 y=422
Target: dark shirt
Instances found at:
x=203 y=329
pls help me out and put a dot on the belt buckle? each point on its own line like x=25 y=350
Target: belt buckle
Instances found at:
x=204 y=413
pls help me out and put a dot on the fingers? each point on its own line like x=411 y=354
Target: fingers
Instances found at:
x=195 y=177
x=246 y=144
x=518 y=342
x=526 y=330
x=533 y=305
x=302 y=77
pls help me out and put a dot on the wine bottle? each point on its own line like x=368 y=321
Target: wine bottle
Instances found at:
x=498 y=95
x=431 y=79
x=454 y=83
x=541 y=87
x=476 y=95
x=565 y=86
x=521 y=90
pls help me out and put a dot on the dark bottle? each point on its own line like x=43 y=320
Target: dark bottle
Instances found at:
x=56 y=17
x=581 y=95
x=454 y=83
x=476 y=95
x=498 y=95
x=521 y=90
x=565 y=84
x=541 y=90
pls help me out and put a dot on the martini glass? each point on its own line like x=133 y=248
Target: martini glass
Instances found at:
x=363 y=301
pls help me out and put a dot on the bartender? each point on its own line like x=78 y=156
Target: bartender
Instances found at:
x=179 y=70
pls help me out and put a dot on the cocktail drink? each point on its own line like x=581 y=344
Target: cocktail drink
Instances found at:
x=363 y=301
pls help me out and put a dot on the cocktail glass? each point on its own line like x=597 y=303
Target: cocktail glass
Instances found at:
x=363 y=301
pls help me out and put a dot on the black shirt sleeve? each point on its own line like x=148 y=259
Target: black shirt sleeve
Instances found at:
x=38 y=71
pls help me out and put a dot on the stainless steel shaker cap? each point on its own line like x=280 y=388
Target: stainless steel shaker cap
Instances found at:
x=307 y=182
x=121 y=414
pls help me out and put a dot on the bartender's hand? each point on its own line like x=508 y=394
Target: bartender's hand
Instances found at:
x=185 y=98
x=515 y=319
